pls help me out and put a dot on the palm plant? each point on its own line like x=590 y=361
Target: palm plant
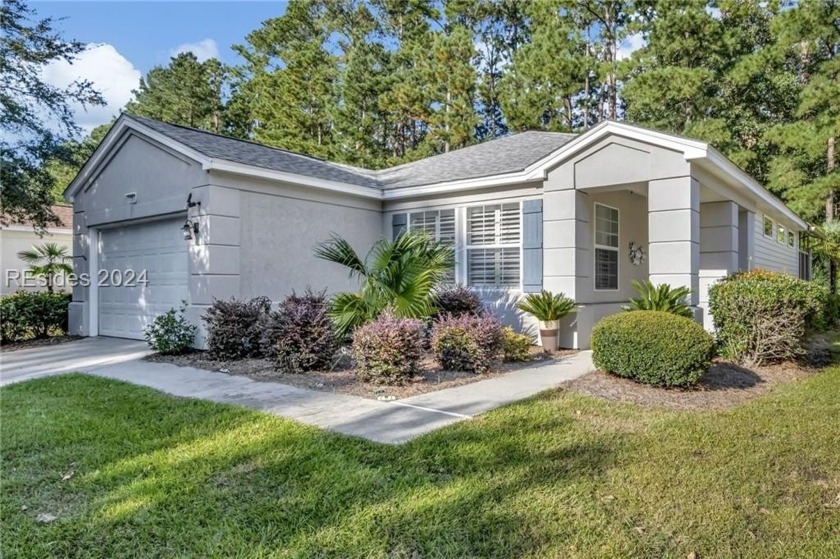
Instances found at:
x=47 y=260
x=546 y=306
x=401 y=275
x=660 y=297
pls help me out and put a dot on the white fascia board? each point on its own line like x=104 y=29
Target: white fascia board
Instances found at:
x=114 y=139
x=740 y=177
x=690 y=148
x=291 y=178
x=508 y=179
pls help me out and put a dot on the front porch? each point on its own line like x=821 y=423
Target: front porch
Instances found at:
x=692 y=229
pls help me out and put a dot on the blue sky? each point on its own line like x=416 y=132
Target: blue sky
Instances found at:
x=129 y=38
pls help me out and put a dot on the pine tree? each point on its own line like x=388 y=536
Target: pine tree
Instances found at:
x=186 y=92
x=806 y=170
x=289 y=80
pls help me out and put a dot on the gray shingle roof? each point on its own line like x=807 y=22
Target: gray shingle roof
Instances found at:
x=504 y=155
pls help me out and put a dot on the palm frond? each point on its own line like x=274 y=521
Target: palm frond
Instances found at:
x=339 y=251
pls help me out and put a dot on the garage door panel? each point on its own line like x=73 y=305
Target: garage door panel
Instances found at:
x=158 y=248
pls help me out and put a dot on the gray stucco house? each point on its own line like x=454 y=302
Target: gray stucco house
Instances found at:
x=530 y=211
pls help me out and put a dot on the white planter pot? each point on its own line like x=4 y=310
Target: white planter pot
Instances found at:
x=549 y=334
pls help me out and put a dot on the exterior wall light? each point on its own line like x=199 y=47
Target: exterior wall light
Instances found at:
x=190 y=230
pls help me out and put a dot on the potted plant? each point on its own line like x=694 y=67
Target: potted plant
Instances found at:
x=548 y=308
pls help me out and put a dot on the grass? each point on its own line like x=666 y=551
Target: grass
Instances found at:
x=560 y=475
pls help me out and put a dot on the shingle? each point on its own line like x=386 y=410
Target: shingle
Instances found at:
x=257 y=155
x=504 y=155
x=496 y=157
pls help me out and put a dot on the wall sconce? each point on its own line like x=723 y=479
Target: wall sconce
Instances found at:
x=190 y=203
x=190 y=230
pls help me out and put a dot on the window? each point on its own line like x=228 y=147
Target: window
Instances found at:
x=780 y=235
x=494 y=245
x=606 y=247
x=439 y=225
x=768 y=227
x=791 y=239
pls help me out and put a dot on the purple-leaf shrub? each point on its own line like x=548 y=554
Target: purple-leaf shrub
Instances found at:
x=300 y=334
x=234 y=327
x=468 y=342
x=388 y=350
x=457 y=300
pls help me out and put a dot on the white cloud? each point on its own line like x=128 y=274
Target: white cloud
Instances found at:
x=629 y=45
x=203 y=50
x=111 y=74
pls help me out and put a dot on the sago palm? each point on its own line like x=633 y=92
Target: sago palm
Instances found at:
x=401 y=274
x=660 y=297
x=47 y=260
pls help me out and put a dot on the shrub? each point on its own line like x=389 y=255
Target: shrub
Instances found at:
x=546 y=306
x=515 y=346
x=467 y=343
x=234 y=326
x=33 y=314
x=660 y=297
x=300 y=335
x=458 y=300
x=399 y=275
x=388 y=350
x=652 y=347
x=171 y=333
x=762 y=317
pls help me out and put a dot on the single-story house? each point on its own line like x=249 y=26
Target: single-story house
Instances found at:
x=16 y=236
x=204 y=216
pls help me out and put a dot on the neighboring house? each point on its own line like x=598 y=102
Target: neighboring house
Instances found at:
x=17 y=237
x=525 y=212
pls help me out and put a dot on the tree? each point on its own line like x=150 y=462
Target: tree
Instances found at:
x=47 y=261
x=35 y=117
x=805 y=170
x=74 y=155
x=186 y=92
x=289 y=79
x=400 y=275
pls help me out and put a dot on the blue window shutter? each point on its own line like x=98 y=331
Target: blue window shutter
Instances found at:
x=532 y=246
x=399 y=223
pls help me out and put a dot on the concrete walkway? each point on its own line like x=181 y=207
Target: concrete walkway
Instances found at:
x=385 y=422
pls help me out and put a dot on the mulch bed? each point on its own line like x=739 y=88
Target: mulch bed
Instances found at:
x=725 y=385
x=342 y=378
x=38 y=342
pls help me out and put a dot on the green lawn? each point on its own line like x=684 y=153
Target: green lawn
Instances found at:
x=560 y=475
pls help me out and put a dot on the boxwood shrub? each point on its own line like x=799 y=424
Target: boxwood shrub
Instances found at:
x=652 y=347
x=33 y=314
x=388 y=350
x=762 y=317
x=468 y=342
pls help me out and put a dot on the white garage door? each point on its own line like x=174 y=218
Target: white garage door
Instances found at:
x=128 y=299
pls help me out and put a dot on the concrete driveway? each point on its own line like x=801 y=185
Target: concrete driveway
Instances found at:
x=81 y=355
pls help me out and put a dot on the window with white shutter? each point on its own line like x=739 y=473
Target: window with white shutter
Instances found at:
x=606 y=248
x=439 y=225
x=494 y=245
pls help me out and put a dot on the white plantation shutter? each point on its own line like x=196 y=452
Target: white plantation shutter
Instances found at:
x=494 y=245
x=439 y=225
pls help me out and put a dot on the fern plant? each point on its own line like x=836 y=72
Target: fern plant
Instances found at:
x=660 y=297
x=546 y=306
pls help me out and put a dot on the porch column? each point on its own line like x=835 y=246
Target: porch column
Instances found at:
x=567 y=259
x=746 y=242
x=674 y=233
x=719 y=238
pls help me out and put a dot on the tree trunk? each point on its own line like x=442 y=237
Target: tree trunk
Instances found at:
x=829 y=215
